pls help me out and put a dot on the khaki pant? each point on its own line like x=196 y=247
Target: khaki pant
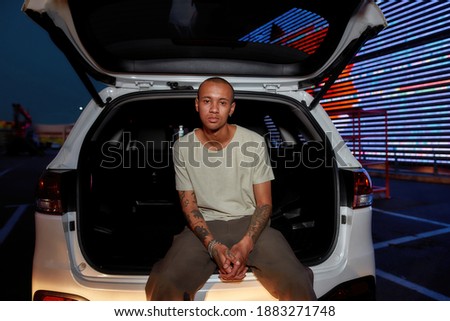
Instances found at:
x=187 y=265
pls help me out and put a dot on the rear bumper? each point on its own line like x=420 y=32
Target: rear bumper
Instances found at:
x=348 y=274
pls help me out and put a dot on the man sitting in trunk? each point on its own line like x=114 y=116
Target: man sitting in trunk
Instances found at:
x=223 y=177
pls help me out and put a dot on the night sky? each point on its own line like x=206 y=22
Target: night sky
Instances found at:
x=34 y=73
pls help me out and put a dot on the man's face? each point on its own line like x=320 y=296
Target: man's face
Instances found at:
x=214 y=104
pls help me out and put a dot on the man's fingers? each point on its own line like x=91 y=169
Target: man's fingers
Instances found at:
x=233 y=258
x=230 y=265
x=229 y=278
x=237 y=273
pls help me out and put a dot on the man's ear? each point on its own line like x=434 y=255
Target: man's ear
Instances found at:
x=196 y=104
x=233 y=106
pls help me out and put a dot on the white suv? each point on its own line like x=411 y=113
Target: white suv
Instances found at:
x=106 y=207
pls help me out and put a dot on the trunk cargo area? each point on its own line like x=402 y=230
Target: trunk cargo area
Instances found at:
x=129 y=209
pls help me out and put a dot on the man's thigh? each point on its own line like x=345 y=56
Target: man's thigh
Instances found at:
x=272 y=250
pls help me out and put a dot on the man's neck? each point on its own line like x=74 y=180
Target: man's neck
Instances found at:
x=219 y=139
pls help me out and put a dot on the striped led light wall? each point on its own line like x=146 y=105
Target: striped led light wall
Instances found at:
x=297 y=28
x=394 y=99
x=393 y=102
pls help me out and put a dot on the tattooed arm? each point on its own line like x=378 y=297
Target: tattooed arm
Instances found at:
x=259 y=220
x=194 y=217
x=263 y=211
x=196 y=222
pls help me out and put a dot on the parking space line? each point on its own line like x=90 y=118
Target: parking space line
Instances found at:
x=6 y=171
x=412 y=286
x=410 y=238
x=409 y=217
x=398 y=280
x=7 y=228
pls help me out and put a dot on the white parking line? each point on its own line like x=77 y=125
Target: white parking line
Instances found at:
x=410 y=238
x=7 y=228
x=6 y=171
x=413 y=218
x=412 y=286
x=400 y=281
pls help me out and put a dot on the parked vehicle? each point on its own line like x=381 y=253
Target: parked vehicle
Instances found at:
x=106 y=207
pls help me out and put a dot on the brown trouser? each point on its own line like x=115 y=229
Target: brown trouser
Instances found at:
x=187 y=265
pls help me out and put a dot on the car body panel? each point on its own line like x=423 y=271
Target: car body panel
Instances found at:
x=60 y=271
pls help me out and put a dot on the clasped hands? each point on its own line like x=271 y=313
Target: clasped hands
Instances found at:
x=232 y=262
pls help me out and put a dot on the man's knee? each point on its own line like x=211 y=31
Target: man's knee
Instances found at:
x=160 y=287
x=298 y=292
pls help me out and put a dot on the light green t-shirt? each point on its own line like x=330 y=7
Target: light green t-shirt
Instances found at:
x=223 y=180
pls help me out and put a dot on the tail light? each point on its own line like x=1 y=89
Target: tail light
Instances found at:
x=52 y=194
x=42 y=295
x=362 y=189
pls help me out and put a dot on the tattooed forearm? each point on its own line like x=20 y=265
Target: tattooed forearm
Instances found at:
x=194 y=217
x=187 y=199
x=197 y=215
x=194 y=198
x=259 y=221
x=196 y=221
x=184 y=201
x=201 y=232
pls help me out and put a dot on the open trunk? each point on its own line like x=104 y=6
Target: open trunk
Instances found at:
x=129 y=208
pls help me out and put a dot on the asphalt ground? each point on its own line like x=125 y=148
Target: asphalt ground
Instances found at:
x=411 y=233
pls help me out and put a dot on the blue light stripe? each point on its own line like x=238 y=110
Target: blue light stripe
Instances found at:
x=397 y=24
x=386 y=82
x=291 y=23
x=426 y=50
